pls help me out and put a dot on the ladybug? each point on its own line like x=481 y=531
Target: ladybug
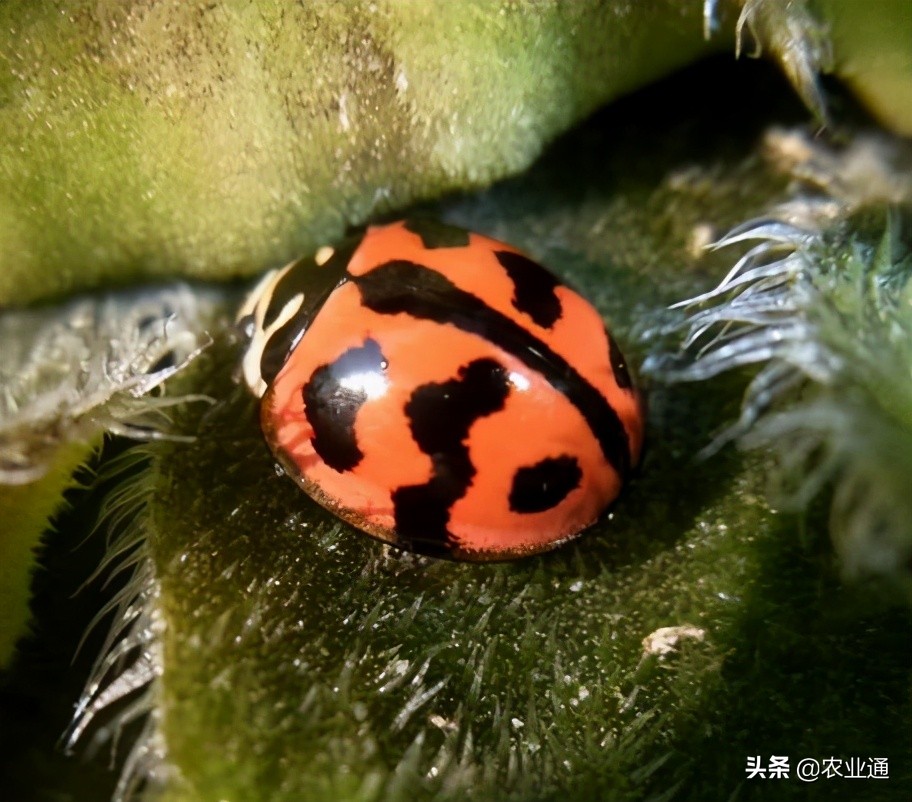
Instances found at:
x=442 y=392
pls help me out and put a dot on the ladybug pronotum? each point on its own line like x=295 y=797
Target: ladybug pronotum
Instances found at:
x=442 y=392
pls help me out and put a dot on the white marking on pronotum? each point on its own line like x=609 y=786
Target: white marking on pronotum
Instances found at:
x=254 y=296
x=255 y=306
x=323 y=255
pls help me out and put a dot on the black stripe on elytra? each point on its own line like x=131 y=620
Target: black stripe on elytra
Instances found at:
x=435 y=234
x=540 y=487
x=405 y=287
x=440 y=416
x=618 y=364
x=315 y=282
x=332 y=399
x=533 y=288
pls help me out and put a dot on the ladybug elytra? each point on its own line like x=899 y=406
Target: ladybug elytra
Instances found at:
x=442 y=392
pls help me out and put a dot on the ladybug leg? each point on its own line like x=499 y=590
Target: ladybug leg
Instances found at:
x=396 y=559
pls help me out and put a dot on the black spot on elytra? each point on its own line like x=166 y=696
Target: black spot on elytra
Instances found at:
x=315 y=283
x=400 y=286
x=618 y=364
x=332 y=399
x=533 y=288
x=440 y=416
x=540 y=487
x=437 y=235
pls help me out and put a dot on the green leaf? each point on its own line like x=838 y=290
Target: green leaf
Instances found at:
x=207 y=141
x=213 y=140
x=293 y=658
x=27 y=510
x=303 y=661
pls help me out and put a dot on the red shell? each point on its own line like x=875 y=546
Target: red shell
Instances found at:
x=450 y=396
